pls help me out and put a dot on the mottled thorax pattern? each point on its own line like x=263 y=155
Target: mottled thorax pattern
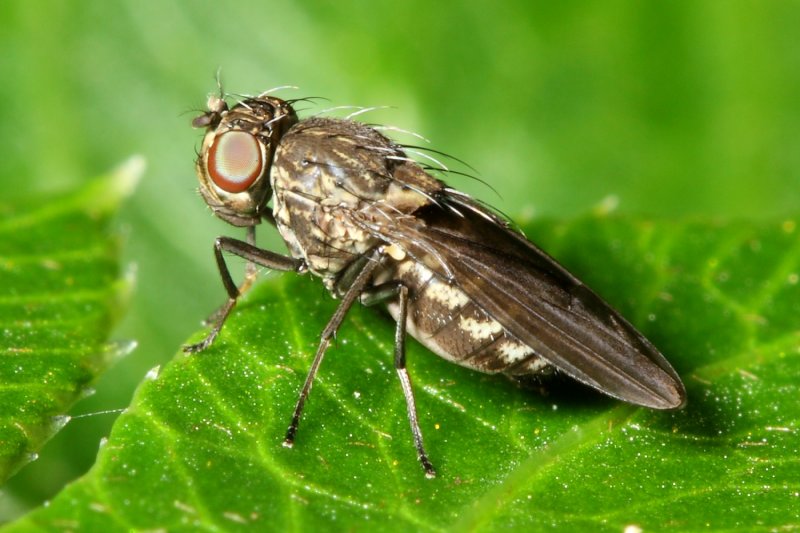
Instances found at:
x=326 y=172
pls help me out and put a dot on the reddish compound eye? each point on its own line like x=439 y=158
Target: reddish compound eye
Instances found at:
x=234 y=161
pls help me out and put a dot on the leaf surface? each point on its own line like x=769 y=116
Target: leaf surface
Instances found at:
x=60 y=294
x=200 y=447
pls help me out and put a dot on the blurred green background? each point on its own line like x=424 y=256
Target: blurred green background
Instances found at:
x=679 y=108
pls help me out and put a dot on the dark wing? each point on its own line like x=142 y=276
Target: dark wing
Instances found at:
x=536 y=299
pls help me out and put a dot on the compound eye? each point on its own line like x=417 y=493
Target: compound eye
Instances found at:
x=234 y=161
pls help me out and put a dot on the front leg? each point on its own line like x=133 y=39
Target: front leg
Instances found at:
x=254 y=255
x=250 y=274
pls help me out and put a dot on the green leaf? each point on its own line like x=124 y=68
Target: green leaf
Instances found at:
x=60 y=293
x=200 y=447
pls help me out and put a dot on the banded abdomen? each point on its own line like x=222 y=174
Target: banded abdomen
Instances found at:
x=447 y=322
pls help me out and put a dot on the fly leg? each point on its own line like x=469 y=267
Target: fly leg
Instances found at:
x=358 y=275
x=254 y=255
x=250 y=274
x=381 y=293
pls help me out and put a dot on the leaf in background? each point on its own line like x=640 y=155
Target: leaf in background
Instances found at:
x=60 y=293
x=200 y=447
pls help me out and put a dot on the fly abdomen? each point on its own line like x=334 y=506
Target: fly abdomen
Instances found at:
x=446 y=321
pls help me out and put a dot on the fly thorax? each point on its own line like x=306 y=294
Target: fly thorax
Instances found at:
x=322 y=235
x=325 y=174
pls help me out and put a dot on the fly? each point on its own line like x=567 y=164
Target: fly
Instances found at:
x=377 y=228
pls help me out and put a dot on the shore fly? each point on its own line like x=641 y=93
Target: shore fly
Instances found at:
x=354 y=209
